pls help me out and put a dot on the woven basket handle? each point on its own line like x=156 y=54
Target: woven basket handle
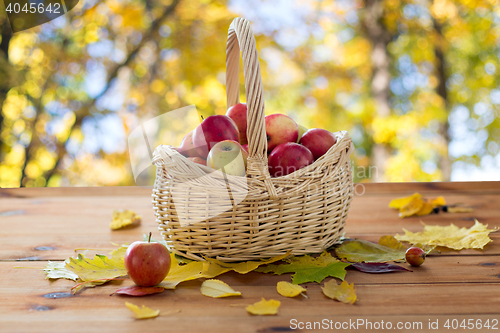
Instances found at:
x=240 y=37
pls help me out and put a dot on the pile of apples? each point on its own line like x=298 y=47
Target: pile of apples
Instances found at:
x=221 y=143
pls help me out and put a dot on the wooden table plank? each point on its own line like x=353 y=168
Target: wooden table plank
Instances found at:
x=22 y=303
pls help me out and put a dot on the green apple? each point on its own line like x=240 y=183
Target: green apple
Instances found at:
x=302 y=130
x=229 y=157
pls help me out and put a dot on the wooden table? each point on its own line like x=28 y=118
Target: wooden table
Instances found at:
x=37 y=225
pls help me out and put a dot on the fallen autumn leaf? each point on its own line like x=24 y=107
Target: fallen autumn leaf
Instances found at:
x=217 y=289
x=142 y=313
x=344 y=292
x=264 y=307
x=453 y=237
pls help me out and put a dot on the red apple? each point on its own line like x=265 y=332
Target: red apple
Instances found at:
x=287 y=158
x=147 y=263
x=187 y=147
x=198 y=160
x=238 y=113
x=212 y=130
x=280 y=129
x=318 y=141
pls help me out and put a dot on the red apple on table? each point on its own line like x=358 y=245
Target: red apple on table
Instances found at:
x=187 y=147
x=287 y=158
x=147 y=263
x=280 y=129
x=229 y=157
x=212 y=130
x=318 y=141
x=238 y=113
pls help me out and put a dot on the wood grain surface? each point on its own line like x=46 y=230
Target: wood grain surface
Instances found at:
x=43 y=224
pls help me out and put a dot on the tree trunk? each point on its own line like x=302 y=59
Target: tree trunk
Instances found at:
x=444 y=159
x=6 y=84
x=380 y=37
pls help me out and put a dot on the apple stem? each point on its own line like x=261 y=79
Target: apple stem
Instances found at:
x=202 y=117
x=149 y=239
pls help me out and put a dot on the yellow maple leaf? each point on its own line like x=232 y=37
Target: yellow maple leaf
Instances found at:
x=217 y=289
x=99 y=268
x=288 y=289
x=142 y=313
x=344 y=292
x=126 y=218
x=475 y=237
x=264 y=307
x=97 y=271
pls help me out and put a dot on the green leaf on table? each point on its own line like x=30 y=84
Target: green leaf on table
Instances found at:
x=309 y=269
x=58 y=270
x=364 y=251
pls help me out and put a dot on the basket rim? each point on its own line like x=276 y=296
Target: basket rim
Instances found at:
x=340 y=135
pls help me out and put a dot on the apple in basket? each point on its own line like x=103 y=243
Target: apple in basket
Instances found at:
x=238 y=113
x=280 y=129
x=198 y=160
x=287 y=158
x=229 y=157
x=187 y=147
x=147 y=263
x=212 y=130
x=318 y=141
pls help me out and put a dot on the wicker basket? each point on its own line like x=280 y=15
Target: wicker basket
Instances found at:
x=303 y=212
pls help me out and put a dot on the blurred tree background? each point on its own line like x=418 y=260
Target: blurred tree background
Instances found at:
x=413 y=81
